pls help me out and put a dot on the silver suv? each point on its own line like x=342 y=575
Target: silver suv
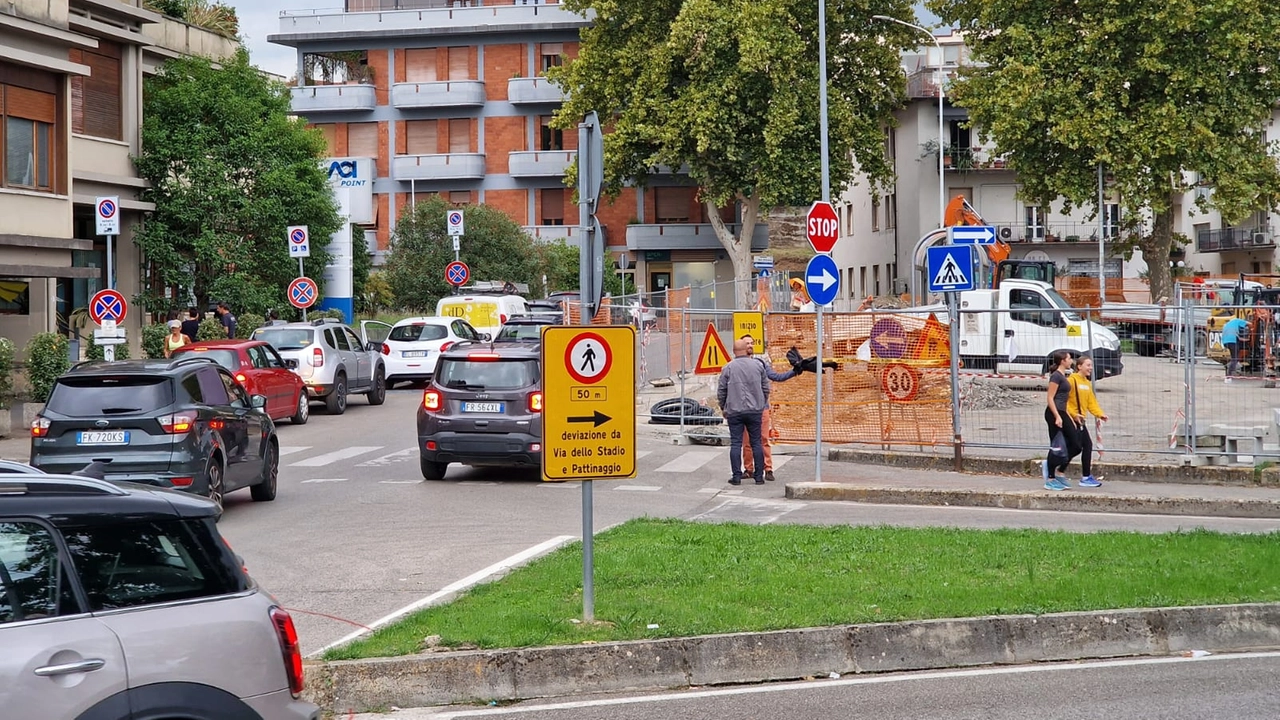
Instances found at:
x=331 y=359
x=122 y=601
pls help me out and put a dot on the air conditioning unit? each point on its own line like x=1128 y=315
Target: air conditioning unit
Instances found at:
x=1005 y=233
x=1261 y=238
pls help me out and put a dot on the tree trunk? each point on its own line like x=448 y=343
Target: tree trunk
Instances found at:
x=1155 y=251
x=739 y=248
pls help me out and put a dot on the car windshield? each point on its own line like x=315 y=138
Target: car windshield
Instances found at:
x=416 y=332
x=229 y=359
x=286 y=338
x=97 y=396
x=487 y=374
x=1061 y=302
x=520 y=331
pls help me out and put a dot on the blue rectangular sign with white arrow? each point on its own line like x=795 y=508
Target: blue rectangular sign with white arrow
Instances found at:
x=971 y=235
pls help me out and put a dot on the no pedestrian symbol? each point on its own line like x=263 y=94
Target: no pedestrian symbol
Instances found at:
x=588 y=358
x=302 y=292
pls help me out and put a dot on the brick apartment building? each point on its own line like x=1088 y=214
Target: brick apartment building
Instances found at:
x=448 y=97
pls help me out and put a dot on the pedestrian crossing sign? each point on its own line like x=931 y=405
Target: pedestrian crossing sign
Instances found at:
x=712 y=357
x=950 y=268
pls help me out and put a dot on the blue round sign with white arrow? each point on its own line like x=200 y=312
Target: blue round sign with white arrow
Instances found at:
x=822 y=279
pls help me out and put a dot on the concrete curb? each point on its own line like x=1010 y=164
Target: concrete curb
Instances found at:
x=1202 y=475
x=1035 y=500
x=502 y=675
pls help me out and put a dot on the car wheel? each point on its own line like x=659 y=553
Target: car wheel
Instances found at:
x=265 y=490
x=215 y=485
x=303 y=412
x=378 y=394
x=336 y=402
x=433 y=470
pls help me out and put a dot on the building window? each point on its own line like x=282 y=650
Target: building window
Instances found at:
x=875 y=277
x=29 y=120
x=95 y=100
x=460 y=136
x=420 y=137
x=862 y=281
x=891 y=211
x=552 y=55
x=460 y=63
x=672 y=204
x=15 y=296
x=549 y=138
x=330 y=132
x=553 y=206
x=420 y=65
x=362 y=139
x=875 y=215
x=1111 y=221
x=459 y=197
x=1035 y=222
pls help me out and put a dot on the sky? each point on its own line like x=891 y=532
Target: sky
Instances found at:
x=260 y=18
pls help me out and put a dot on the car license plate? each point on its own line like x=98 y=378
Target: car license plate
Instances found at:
x=103 y=437
x=413 y=353
x=479 y=407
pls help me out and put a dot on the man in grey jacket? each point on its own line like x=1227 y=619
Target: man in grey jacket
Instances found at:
x=743 y=393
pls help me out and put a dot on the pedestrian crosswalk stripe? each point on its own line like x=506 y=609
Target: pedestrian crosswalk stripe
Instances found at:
x=780 y=460
x=639 y=488
x=291 y=449
x=395 y=457
x=691 y=461
x=335 y=456
x=643 y=453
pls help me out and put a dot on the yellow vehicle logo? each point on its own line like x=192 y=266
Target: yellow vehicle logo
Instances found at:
x=477 y=314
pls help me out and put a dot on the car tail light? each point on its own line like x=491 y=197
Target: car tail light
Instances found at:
x=182 y=481
x=502 y=318
x=431 y=401
x=446 y=346
x=386 y=349
x=288 y=636
x=535 y=401
x=483 y=357
x=535 y=447
x=317 y=357
x=40 y=427
x=178 y=423
x=431 y=445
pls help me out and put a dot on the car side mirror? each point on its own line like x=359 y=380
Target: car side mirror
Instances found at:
x=291 y=364
x=258 y=401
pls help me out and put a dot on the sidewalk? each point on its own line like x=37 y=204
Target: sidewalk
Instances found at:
x=16 y=448
x=880 y=484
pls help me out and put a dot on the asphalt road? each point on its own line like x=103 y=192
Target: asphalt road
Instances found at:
x=356 y=535
x=1241 y=687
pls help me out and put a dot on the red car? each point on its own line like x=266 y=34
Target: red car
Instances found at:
x=260 y=371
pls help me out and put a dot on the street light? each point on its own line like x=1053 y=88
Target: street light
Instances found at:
x=942 y=186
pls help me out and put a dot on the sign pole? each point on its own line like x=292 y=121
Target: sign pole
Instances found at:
x=302 y=273
x=817 y=455
x=953 y=312
x=109 y=351
x=585 y=198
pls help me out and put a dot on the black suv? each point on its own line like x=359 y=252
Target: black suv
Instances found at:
x=181 y=423
x=483 y=408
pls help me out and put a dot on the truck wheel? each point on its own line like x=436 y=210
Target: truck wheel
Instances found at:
x=1202 y=343
x=1145 y=349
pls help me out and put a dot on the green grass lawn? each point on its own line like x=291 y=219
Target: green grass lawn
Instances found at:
x=697 y=578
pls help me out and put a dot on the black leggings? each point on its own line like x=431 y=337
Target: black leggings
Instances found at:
x=1075 y=444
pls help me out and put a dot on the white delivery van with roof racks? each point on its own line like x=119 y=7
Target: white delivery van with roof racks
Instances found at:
x=486 y=305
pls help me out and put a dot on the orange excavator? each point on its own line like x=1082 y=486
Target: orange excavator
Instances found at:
x=960 y=212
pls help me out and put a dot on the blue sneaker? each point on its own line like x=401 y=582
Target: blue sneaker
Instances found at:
x=1063 y=482
x=1089 y=482
x=1054 y=484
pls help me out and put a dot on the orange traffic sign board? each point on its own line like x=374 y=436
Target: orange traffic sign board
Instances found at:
x=588 y=402
x=712 y=356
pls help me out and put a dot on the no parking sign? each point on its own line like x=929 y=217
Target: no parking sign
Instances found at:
x=299 y=241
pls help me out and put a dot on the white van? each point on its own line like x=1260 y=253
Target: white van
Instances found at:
x=485 y=313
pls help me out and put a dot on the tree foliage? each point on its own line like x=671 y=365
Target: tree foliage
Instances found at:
x=229 y=170
x=1162 y=93
x=730 y=89
x=494 y=247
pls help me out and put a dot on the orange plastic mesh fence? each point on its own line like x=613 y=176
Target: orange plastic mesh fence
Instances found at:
x=892 y=387
x=603 y=314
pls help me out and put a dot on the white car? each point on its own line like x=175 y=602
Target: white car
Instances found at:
x=411 y=347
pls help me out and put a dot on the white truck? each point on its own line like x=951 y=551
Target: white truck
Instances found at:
x=1016 y=327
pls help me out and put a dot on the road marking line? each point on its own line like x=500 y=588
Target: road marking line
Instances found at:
x=400 y=482
x=639 y=488
x=476 y=482
x=336 y=455
x=643 y=453
x=291 y=449
x=780 y=460
x=845 y=682
x=324 y=480
x=560 y=485
x=709 y=491
x=493 y=571
x=691 y=461
x=395 y=457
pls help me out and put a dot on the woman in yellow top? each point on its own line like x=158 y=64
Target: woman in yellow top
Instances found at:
x=175 y=339
x=1080 y=401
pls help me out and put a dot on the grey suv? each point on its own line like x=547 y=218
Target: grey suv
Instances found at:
x=331 y=359
x=483 y=408
x=120 y=602
x=184 y=424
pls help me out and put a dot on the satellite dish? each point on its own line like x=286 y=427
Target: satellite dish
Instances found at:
x=1037 y=256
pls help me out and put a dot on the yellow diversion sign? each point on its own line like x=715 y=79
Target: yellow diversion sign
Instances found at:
x=589 y=402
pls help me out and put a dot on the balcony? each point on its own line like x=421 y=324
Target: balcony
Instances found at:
x=553 y=233
x=1227 y=239
x=688 y=236
x=449 y=93
x=332 y=98
x=548 y=163
x=1052 y=232
x=449 y=166
x=534 y=91
x=923 y=83
x=388 y=19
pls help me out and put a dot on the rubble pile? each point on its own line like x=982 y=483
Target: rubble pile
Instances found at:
x=979 y=393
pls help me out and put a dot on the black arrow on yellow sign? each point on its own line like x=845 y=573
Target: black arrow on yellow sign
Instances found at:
x=597 y=419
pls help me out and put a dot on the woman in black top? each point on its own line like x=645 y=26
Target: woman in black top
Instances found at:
x=1058 y=420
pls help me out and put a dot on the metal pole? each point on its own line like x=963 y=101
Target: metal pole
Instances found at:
x=684 y=322
x=1189 y=379
x=1102 y=242
x=817 y=459
x=822 y=99
x=302 y=273
x=109 y=352
x=584 y=281
x=953 y=312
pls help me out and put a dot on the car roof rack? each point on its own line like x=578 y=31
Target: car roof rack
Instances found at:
x=493 y=287
x=191 y=358
x=17 y=484
x=326 y=321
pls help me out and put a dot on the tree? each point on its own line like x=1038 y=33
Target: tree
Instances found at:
x=1162 y=93
x=561 y=265
x=229 y=170
x=730 y=89
x=494 y=247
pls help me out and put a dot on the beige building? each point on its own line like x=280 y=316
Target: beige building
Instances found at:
x=70 y=113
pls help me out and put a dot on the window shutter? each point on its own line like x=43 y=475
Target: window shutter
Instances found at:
x=420 y=65
x=460 y=197
x=553 y=206
x=672 y=204
x=460 y=136
x=330 y=132
x=420 y=137
x=459 y=63
x=362 y=140
x=30 y=104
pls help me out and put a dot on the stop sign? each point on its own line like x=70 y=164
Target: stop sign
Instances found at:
x=822 y=227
